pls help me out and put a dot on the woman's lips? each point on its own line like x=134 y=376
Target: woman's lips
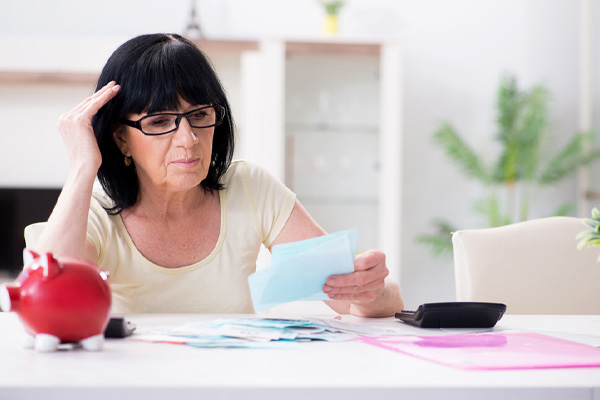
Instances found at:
x=186 y=164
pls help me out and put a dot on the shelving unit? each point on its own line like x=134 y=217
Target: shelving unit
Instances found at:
x=326 y=117
x=79 y=78
x=45 y=78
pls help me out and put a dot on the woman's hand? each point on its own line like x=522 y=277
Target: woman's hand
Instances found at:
x=365 y=292
x=364 y=284
x=75 y=128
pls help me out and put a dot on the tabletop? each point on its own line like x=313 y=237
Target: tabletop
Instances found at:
x=131 y=369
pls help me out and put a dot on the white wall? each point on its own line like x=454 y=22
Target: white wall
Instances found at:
x=455 y=52
x=453 y=64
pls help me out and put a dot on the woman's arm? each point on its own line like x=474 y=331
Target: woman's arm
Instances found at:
x=65 y=231
x=366 y=292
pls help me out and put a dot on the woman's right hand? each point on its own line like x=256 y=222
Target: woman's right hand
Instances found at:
x=75 y=128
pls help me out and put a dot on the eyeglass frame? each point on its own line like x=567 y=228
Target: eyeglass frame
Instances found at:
x=138 y=124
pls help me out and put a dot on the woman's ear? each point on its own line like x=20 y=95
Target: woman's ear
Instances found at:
x=120 y=139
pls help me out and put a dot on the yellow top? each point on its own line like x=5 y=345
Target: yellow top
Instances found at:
x=254 y=208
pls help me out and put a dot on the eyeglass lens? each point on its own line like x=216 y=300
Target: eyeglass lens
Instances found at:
x=163 y=123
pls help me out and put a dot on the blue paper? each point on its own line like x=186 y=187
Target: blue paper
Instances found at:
x=285 y=251
x=299 y=270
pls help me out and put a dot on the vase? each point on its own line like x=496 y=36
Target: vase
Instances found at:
x=330 y=24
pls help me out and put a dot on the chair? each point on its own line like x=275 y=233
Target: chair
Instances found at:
x=533 y=267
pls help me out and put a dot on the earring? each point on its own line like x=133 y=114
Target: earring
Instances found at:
x=127 y=160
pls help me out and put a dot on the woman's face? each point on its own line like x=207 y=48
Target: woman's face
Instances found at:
x=172 y=162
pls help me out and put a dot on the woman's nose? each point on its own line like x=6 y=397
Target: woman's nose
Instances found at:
x=185 y=134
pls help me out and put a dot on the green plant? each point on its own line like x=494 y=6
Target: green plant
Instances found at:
x=522 y=167
x=332 y=7
x=590 y=238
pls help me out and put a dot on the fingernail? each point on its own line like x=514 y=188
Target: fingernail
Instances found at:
x=116 y=88
x=332 y=282
x=327 y=289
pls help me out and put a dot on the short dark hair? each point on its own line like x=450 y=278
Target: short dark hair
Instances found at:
x=154 y=72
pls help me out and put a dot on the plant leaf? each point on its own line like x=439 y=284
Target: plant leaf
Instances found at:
x=568 y=159
x=592 y=224
x=509 y=101
x=461 y=152
x=441 y=241
x=531 y=132
x=565 y=210
x=489 y=208
x=586 y=235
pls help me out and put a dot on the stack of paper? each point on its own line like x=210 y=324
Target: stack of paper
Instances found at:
x=258 y=332
x=299 y=270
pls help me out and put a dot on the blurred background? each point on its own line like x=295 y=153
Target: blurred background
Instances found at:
x=372 y=114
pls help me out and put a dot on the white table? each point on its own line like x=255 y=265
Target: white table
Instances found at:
x=128 y=369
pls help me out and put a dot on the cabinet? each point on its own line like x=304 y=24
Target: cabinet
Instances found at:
x=326 y=117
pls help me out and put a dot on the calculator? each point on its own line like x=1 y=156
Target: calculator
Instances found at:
x=118 y=327
x=454 y=315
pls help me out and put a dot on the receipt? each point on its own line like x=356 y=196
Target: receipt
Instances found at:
x=299 y=270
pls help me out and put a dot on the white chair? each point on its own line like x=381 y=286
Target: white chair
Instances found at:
x=533 y=267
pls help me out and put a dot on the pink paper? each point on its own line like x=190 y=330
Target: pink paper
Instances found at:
x=493 y=351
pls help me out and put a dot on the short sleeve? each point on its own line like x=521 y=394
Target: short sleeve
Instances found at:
x=32 y=233
x=271 y=200
x=98 y=222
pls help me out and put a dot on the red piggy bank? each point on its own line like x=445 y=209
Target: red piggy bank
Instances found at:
x=59 y=300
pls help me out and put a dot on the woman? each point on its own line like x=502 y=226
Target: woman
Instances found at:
x=176 y=223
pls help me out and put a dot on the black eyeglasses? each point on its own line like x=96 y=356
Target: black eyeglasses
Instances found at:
x=160 y=124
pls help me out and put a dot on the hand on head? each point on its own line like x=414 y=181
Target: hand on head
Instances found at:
x=76 y=130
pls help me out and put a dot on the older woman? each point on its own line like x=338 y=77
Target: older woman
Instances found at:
x=176 y=223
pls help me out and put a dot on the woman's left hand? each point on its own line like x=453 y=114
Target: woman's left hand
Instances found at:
x=364 y=284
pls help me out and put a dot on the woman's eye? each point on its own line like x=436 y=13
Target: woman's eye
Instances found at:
x=160 y=121
x=199 y=116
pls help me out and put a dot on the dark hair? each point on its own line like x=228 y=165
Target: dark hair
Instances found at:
x=154 y=71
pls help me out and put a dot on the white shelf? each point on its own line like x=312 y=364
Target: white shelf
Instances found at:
x=209 y=46
x=294 y=129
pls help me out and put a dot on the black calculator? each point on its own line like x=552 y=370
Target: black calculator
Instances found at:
x=454 y=315
x=118 y=327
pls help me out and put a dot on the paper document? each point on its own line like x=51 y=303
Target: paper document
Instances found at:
x=263 y=332
x=299 y=270
x=244 y=332
x=512 y=350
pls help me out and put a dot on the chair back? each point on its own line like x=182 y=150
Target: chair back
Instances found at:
x=533 y=267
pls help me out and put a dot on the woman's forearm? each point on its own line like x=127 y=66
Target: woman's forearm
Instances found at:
x=65 y=231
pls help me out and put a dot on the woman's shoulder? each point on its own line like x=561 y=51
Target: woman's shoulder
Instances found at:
x=100 y=200
x=243 y=170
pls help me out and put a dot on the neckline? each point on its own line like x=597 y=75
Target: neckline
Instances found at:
x=186 y=268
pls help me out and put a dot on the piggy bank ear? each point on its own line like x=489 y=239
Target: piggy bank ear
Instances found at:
x=49 y=265
x=28 y=257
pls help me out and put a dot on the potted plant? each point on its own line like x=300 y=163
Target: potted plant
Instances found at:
x=590 y=238
x=331 y=21
x=522 y=167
